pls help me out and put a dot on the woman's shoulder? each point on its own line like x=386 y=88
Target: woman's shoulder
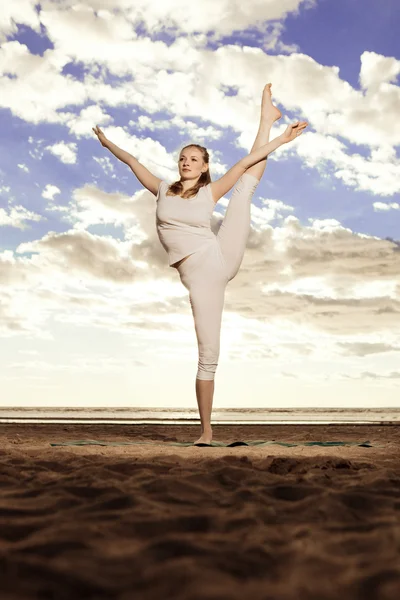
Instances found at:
x=162 y=188
x=207 y=190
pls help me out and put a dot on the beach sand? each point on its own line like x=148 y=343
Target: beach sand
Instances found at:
x=164 y=522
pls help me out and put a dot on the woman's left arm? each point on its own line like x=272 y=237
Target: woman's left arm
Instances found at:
x=227 y=181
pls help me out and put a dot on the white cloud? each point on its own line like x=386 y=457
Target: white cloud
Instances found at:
x=66 y=152
x=17 y=217
x=12 y=14
x=107 y=166
x=377 y=69
x=383 y=206
x=81 y=125
x=377 y=173
x=26 y=76
x=344 y=282
x=92 y=206
x=187 y=81
x=270 y=210
x=221 y=17
x=50 y=191
x=144 y=122
x=185 y=127
x=100 y=258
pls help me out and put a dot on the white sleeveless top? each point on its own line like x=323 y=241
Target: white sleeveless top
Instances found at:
x=184 y=224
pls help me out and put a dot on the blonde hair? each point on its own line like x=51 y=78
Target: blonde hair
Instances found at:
x=176 y=189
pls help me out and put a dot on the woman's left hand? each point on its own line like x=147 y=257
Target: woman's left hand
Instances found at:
x=293 y=131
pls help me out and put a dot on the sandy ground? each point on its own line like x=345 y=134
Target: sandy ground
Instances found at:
x=164 y=522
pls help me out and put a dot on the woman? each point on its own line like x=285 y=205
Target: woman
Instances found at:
x=205 y=262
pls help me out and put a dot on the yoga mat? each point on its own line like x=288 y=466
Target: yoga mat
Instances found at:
x=366 y=444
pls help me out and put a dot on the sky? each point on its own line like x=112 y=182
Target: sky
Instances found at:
x=90 y=312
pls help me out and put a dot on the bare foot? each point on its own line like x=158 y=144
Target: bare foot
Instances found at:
x=268 y=110
x=205 y=438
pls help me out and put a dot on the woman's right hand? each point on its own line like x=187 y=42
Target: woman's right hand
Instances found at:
x=100 y=135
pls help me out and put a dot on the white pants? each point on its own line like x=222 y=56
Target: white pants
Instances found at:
x=206 y=273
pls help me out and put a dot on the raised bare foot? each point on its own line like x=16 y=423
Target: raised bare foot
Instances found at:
x=268 y=110
x=205 y=438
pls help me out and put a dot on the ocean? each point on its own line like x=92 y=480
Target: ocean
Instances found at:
x=183 y=416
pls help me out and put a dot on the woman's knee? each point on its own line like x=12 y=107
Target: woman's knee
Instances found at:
x=208 y=362
x=205 y=375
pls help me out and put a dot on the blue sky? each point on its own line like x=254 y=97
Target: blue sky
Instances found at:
x=337 y=33
x=89 y=307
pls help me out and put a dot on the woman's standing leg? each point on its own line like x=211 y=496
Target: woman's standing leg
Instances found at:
x=234 y=230
x=207 y=302
x=204 y=276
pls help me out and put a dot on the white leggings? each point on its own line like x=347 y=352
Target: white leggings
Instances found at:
x=206 y=273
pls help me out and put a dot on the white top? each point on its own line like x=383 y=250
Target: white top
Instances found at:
x=184 y=224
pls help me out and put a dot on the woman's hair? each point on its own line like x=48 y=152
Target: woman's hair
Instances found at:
x=177 y=187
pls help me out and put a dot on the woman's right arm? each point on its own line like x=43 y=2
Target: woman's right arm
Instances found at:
x=147 y=179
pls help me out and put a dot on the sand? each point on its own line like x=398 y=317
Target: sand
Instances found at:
x=163 y=522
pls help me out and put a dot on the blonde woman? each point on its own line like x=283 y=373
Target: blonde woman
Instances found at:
x=207 y=262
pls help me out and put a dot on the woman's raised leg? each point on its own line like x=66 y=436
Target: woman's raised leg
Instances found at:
x=269 y=114
x=234 y=230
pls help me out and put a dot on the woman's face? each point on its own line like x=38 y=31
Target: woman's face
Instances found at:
x=191 y=164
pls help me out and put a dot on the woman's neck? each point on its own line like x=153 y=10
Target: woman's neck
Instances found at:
x=189 y=183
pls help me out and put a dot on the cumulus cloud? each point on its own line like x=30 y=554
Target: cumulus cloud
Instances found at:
x=50 y=191
x=184 y=127
x=270 y=210
x=81 y=125
x=187 y=81
x=12 y=14
x=192 y=80
x=385 y=206
x=25 y=76
x=65 y=152
x=91 y=206
x=221 y=17
x=106 y=165
x=376 y=174
x=100 y=257
x=17 y=216
x=377 y=70
x=336 y=277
